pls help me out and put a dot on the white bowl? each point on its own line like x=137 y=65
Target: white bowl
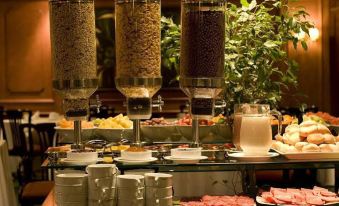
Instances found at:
x=189 y=153
x=101 y=170
x=71 y=179
x=106 y=182
x=168 y=201
x=156 y=192
x=160 y=180
x=131 y=202
x=129 y=155
x=102 y=194
x=130 y=181
x=131 y=193
x=81 y=156
x=102 y=203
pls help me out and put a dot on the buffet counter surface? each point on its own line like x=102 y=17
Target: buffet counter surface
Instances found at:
x=228 y=164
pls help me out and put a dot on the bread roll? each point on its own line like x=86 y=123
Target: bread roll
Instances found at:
x=308 y=123
x=307 y=130
x=334 y=147
x=316 y=138
x=326 y=147
x=277 y=145
x=311 y=148
x=329 y=139
x=292 y=149
x=323 y=129
x=291 y=138
x=292 y=128
x=278 y=137
x=284 y=148
x=337 y=138
x=299 y=146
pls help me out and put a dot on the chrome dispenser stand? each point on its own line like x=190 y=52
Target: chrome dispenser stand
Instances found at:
x=195 y=125
x=151 y=84
x=65 y=88
x=207 y=88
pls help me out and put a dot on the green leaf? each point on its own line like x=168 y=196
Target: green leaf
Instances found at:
x=244 y=3
x=270 y=44
x=304 y=45
x=252 y=5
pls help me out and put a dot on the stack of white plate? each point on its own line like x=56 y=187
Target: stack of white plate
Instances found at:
x=159 y=189
x=102 y=184
x=131 y=190
x=71 y=189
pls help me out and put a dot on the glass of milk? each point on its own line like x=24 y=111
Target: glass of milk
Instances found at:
x=252 y=131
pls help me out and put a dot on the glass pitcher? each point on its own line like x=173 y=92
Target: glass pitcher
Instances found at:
x=252 y=130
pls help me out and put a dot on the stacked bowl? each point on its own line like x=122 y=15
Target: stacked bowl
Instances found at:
x=131 y=190
x=159 y=189
x=71 y=189
x=102 y=184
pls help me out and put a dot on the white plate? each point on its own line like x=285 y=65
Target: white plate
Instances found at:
x=119 y=159
x=242 y=156
x=65 y=161
x=185 y=160
x=262 y=201
x=309 y=155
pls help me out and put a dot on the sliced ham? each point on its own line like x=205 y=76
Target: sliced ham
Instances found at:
x=330 y=199
x=287 y=198
x=314 y=200
x=328 y=194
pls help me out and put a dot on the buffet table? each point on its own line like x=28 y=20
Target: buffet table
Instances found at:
x=247 y=168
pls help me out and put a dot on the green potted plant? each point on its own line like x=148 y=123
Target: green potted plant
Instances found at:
x=257 y=66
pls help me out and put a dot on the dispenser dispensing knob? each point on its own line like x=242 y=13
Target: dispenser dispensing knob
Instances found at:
x=158 y=103
x=99 y=103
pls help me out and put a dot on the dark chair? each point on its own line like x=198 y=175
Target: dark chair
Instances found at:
x=34 y=191
x=15 y=119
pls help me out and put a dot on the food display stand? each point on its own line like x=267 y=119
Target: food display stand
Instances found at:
x=247 y=168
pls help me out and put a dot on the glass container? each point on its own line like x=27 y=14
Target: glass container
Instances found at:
x=74 y=63
x=138 y=54
x=73 y=41
x=202 y=53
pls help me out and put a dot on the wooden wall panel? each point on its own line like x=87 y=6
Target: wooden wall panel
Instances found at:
x=25 y=65
x=313 y=75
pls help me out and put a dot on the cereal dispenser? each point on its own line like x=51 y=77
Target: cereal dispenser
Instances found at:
x=74 y=58
x=202 y=56
x=138 y=57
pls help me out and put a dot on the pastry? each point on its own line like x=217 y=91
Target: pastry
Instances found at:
x=292 y=138
x=292 y=128
x=299 y=146
x=306 y=130
x=278 y=137
x=316 y=138
x=326 y=147
x=311 y=148
x=277 y=145
x=308 y=123
x=323 y=129
x=329 y=139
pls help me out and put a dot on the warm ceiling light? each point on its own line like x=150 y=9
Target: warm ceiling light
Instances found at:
x=314 y=34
